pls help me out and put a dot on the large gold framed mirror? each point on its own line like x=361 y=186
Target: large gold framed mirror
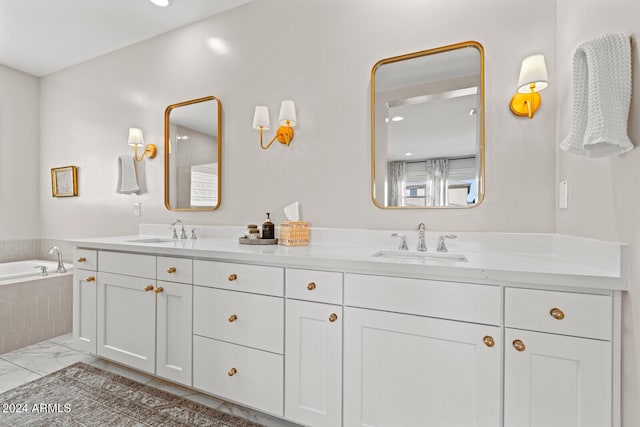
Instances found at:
x=427 y=128
x=192 y=149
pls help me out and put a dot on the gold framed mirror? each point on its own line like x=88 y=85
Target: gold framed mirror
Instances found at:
x=192 y=149
x=427 y=128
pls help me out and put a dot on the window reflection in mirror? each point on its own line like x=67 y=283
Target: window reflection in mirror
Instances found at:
x=192 y=154
x=427 y=128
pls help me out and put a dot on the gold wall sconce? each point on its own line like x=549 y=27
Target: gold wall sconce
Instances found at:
x=287 y=121
x=533 y=79
x=136 y=140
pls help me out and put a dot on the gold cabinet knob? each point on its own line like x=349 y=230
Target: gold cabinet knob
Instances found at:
x=171 y=270
x=518 y=345
x=556 y=313
x=311 y=286
x=91 y=279
x=233 y=318
x=148 y=288
x=232 y=372
x=232 y=277
x=159 y=289
x=333 y=317
x=81 y=259
x=489 y=341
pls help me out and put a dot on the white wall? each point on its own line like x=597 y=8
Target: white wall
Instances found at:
x=320 y=54
x=604 y=194
x=19 y=157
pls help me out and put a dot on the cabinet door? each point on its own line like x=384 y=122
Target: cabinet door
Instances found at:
x=127 y=320
x=556 y=380
x=84 y=309
x=313 y=363
x=173 y=323
x=402 y=370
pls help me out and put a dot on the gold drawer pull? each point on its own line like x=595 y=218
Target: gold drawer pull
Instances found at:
x=311 y=286
x=232 y=277
x=233 y=318
x=81 y=259
x=159 y=289
x=91 y=279
x=556 y=313
x=489 y=341
x=232 y=372
x=148 y=288
x=518 y=345
x=333 y=317
x=171 y=270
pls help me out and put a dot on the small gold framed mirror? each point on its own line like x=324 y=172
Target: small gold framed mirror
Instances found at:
x=192 y=154
x=427 y=128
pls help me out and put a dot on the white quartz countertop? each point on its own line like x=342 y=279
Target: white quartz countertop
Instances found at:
x=498 y=258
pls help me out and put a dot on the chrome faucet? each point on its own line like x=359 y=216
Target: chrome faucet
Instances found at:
x=441 y=246
x=193 y=233
x=403 y=241
x=183 y=234
x=421 y=245
x=60 y=268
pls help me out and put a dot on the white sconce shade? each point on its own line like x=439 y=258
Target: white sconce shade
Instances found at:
x=533 y=72
x=287 y=113
x=135 y=137
x=261 y=118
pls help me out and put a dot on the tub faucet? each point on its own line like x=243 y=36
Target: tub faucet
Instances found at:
x=60 y=268
x=421 y=245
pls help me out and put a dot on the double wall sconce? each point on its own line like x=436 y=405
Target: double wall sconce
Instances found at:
x=136 y=140
x=533 y=78
x=287 y=121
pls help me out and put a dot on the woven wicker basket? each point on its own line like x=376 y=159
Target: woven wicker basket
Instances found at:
x=294 y=233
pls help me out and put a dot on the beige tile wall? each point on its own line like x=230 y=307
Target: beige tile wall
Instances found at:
x=35 y=310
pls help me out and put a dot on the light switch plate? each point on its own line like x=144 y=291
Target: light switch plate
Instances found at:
x=137 y=209
x=563 y=196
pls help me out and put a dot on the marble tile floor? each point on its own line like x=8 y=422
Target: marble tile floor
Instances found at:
x=29 y=363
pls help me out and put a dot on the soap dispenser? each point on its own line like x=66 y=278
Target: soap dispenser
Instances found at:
x=268 y=229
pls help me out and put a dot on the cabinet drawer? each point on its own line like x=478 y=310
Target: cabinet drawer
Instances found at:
x=174 y=269
x=127 y=264
x=239 y=277
x=567 y=313
x=312 y=285
x=248 y=376
x=447 y=300
x=85 y=259
x=247 y=319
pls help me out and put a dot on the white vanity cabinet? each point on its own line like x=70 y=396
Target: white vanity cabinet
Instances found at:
x=558 y=359
x=85 y=272
x=142 y=322
x=403 y=367
x=313 y=350
x=238 y=341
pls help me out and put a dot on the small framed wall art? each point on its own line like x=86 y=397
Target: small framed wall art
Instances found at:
x=64 y=181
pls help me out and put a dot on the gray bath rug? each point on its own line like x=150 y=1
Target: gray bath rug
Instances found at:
x=82 y=395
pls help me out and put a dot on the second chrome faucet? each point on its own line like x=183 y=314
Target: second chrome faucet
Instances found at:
x=421 y=245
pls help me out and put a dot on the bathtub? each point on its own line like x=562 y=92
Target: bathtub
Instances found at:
x=33 y=308
x=18 y=269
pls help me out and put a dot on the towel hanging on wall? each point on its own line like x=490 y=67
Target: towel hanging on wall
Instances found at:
x=601 y=97
x=127 y=181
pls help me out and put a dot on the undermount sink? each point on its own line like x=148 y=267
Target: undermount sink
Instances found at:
x=431 y=256
x=151 y=240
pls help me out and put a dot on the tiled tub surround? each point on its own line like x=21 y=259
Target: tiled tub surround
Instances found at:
x=21 y=249
x=501 y=308
x=34 y=309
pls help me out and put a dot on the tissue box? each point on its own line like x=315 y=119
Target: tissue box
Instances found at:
x=294 y=233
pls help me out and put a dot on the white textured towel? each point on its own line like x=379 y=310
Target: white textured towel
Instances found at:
x=601 y=97
x=127 y=181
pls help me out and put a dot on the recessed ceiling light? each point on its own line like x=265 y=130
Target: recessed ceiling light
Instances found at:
x=408 y=154
x=397 y=119
x=161 y=3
